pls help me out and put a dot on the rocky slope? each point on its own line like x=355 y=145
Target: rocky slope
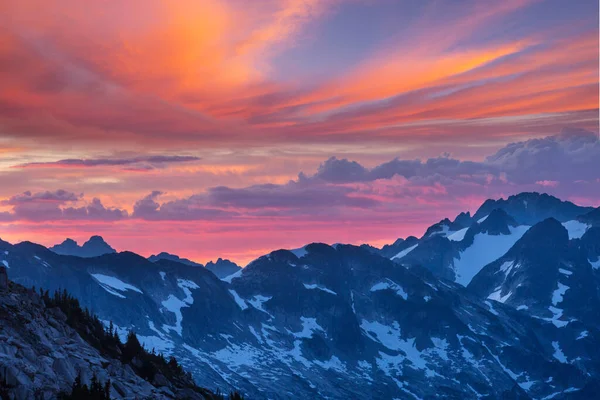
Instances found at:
x=41 y=355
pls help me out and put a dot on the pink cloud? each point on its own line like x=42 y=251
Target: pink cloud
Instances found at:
x=548 y=183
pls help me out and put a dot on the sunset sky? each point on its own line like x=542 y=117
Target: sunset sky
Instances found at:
x=229 y=128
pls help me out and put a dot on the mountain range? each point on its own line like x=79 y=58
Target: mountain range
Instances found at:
x=501 y=304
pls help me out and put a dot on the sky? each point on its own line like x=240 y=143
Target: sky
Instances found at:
x=229 y=128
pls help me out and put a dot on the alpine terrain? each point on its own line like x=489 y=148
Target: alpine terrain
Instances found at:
x=501 y=304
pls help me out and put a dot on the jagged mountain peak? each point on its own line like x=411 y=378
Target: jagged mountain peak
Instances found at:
x=223 y=268
x=498 y=222
x=463 y=219
x=95 y=246
x=549 y=235
x=530 y=208
x=173 y=257
x=96 y=239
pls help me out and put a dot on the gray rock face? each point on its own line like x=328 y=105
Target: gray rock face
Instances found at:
x=40 y=355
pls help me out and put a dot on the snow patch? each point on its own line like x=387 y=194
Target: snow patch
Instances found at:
x=258 y=301
x=404 y=252
x=557 y=314
x=309 y=327
x=595 y=264
x=485 y=249
x=110 y=284
x=498 y=297
x=557 y=295
x=480 y=220
x=301 y=252
x=5 y=263
x=522 y=307
x=508 y=266
x=565 y=271
x=315 y=286
x=159 y=343
x=582 y=335
x=558 y=354
x=240 y=302
x=174 y=304
x=391 y=285
x=162 y=275
x=576 y=229
x=231 y=277
x=458 y=235
x=389 y=336
x=492 y=310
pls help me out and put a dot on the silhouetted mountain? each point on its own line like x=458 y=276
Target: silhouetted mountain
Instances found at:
x=531 y=208
x=222 y=268
x=94 y=247
x=391 y=250
x=173 y=257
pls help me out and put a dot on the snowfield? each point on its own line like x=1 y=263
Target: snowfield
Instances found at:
x=484 y=250
x=110 y=284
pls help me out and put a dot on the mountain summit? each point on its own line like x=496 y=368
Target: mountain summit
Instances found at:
x=94 y=247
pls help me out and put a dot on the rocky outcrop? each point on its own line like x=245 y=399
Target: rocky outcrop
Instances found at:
x=41 y=355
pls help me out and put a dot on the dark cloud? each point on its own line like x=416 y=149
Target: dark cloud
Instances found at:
x=95 y=211
x=573 y=155
x=50 y=206
x=336 y=170
x=189 y=209
x=300 y=194
x=56 y=197
x=147 y=206
x=570 y=156
x=138 y=163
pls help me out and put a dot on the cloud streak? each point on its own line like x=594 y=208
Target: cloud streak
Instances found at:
x=146 y=162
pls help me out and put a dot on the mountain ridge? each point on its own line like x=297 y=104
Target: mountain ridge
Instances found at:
x=331 y=321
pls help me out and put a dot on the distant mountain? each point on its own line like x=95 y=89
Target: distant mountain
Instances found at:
x=400 y=245
x=173 y=257
x=94 y=247
x=223 y=268
x=531 y=208
x=481 y=307
x=458 y=255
